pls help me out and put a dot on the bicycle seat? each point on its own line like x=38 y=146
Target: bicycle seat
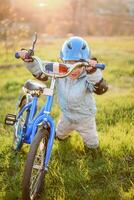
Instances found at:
x=33 y=87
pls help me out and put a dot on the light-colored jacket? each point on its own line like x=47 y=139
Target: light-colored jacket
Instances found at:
x=75 y=97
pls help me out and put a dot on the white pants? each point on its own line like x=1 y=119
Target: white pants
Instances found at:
x=85 y=127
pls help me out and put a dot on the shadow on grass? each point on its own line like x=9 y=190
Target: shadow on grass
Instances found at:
x=12 y=174
x=74 y=176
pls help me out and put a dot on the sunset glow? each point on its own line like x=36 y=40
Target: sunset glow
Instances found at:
x=37 y=3
x=41 y=4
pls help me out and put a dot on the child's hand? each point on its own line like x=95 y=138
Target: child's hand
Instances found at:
x=91 y=68
x=24 y=55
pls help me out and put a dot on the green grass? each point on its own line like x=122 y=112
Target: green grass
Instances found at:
x=72 y=174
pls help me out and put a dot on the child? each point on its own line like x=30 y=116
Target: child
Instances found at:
x=75 y=92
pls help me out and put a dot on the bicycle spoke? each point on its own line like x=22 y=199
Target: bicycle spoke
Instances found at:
x=34 y=178
x=34 y=185
x=37 y=169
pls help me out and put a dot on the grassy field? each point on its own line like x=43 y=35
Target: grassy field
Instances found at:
x=73 y=175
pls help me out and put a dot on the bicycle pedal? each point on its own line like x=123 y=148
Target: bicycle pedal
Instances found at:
x=10 y=119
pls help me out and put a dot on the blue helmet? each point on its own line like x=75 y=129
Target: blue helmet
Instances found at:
x=75 y=48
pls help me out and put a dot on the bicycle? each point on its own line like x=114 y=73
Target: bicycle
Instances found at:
x=37 y=129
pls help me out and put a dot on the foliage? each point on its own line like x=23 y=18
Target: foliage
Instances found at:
x=59 y=17
x=73 y=175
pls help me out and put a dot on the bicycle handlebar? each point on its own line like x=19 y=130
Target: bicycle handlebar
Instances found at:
x=100 y=66
x=67 y=68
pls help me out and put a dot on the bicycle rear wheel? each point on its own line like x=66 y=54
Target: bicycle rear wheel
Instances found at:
x=34 y=169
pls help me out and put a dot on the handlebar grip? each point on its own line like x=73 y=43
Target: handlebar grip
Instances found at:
x=100 y=66
x=17 y=55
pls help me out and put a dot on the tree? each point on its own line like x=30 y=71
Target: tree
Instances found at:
x=5 y=11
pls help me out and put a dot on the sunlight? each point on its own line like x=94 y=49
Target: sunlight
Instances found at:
x=30 y=3
x=41 y=4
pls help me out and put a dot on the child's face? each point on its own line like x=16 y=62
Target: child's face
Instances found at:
x=76 y=72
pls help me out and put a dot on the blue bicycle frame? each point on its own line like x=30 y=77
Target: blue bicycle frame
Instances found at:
x=32 y=122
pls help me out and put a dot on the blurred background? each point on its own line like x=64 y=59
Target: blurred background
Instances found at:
x=59 y=18
x=108 y=27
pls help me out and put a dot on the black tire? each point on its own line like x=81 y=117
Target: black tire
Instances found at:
x=34 y=163
x=18 y=126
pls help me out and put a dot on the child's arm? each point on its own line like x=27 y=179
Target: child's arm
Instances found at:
x=33 y=66
x=95 y=77
x=95 y=81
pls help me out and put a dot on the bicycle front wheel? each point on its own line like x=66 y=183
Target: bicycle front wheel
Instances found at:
x=34 y=168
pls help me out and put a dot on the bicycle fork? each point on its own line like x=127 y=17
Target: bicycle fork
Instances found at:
x=50 y=142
